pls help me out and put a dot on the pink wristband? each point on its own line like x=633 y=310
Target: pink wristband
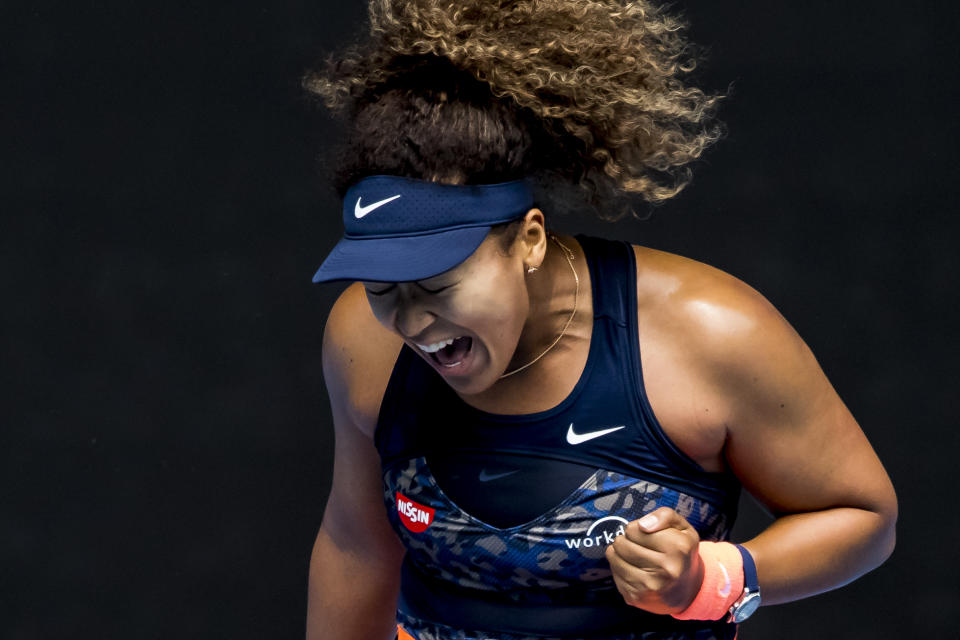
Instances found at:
x=722 y=582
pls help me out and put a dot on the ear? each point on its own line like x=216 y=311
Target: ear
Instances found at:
x=533 y=238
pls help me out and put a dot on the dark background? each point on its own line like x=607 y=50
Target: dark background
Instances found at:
x=166 y=441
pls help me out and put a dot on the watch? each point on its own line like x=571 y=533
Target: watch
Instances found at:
x=749 y=600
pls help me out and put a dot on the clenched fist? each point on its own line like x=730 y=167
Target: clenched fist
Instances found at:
x=656 y=564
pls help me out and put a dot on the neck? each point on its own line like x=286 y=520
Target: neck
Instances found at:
x=552 y=291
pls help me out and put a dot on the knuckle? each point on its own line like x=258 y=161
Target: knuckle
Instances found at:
x=633 y=597
x=657 y=583
x=673 y=568
x=670 y=512
x=614 y=550
x=631 y=532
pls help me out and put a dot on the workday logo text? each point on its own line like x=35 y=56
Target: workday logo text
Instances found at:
x=600 y=534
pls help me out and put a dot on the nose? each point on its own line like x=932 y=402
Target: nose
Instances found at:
x=411 y=318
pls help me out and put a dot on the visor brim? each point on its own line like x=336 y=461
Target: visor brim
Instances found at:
x=399 y=259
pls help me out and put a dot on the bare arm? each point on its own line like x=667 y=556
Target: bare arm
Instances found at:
x=355 y=565
x=796 y=447
x=740 y=389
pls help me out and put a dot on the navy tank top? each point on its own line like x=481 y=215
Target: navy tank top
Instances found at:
x=505 y=518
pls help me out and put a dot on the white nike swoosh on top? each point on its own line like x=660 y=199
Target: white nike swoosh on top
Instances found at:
x=359 y=211
x=579 y=438
x=487 y=477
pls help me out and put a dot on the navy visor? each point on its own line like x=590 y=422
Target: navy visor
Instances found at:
x=399 y=229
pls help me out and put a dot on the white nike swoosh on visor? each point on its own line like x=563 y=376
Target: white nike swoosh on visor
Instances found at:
x=359 y=211
x=579 y=438
x=487 y=477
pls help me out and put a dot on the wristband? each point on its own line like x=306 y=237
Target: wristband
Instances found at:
x=722 y=582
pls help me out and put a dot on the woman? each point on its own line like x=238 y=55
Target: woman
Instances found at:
x=558 y=426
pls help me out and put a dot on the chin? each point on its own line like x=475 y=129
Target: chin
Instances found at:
x=474 y=382
x=473 y=386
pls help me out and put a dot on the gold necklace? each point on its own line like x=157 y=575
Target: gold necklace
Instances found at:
x=568 y=254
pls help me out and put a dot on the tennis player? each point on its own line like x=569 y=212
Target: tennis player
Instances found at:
x=544 y=436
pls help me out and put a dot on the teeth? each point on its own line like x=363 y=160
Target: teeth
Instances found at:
x=436 y=346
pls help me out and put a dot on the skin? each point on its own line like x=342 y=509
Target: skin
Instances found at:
x=485 y=297
x=732 y=384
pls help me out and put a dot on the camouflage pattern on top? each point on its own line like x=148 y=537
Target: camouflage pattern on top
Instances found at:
x=557 y=557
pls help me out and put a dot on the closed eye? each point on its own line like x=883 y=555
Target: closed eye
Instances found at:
x=393 y=286
x=434 y=290
x=382 y=291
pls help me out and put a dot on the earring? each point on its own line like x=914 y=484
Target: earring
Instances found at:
x=531 y=269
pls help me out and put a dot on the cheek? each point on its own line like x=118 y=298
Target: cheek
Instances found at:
x=498 y=314
x=379 y=310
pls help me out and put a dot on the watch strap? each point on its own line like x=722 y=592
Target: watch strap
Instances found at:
x=749 y=600
x=749 y=569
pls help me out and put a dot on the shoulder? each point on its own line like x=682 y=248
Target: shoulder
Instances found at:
x=358 y=357
x=700 y=300
x=729 y=334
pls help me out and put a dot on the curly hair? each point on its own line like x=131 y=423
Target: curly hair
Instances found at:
x=472 y=91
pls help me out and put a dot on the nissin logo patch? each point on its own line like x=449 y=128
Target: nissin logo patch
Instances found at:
x=414 y=516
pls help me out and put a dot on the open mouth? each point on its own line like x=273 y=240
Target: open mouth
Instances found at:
x=453 y=354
